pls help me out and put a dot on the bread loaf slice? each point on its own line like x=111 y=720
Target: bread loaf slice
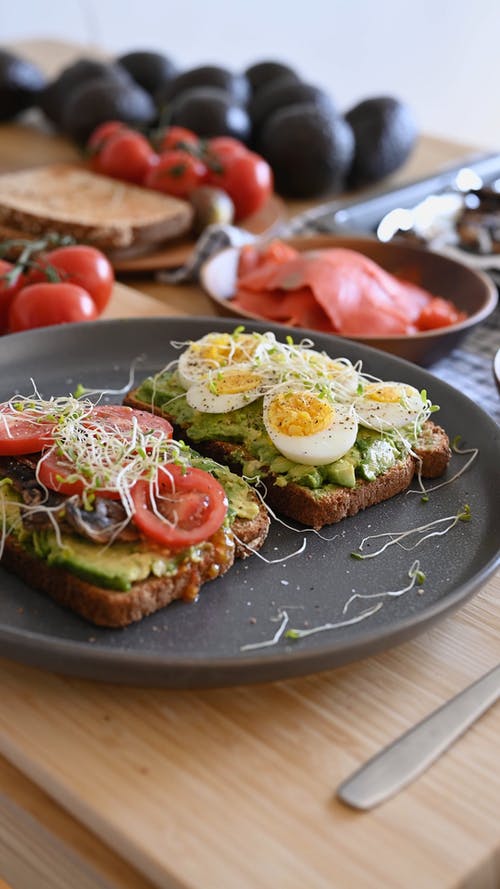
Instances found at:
x=94 y=209
x=114 y=608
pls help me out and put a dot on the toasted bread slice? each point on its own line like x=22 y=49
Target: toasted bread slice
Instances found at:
x=112 y=608
x=94 y=209
x=325 y=506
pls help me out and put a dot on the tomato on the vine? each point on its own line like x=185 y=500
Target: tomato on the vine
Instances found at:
x=102 y=133
x=189 y=506
x=41 y=305
x=178 y=137
x=83 y=265
x=8 y=291
x=177 y=173
x=248 y=180
x=223 y=148
x=125 y=155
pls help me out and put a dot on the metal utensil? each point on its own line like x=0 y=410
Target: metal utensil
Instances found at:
x=409 y=755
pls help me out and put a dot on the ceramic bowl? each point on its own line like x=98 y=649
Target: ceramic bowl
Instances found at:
x=472 y=291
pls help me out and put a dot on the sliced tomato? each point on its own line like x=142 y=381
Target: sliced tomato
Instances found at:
x=59 y=474
x=118 y=419
x=184 y=507
x=23 y=432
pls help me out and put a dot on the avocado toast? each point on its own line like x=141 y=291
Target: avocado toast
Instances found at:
x=104 y=511
x=325 y=439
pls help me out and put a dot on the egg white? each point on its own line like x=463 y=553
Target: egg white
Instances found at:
x=316 y=448
x=388 y=405
x=215 y=350
x=227 y=390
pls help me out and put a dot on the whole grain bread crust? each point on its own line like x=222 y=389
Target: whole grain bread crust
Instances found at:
x=331 y=504
x=112 y=608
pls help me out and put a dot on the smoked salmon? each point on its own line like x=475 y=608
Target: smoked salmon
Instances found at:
x=335 y=290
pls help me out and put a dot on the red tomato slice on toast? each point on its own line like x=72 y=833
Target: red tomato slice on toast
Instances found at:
x=185 y=507
x=23 y=432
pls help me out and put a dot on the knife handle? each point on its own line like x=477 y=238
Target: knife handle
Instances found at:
x=409 y=755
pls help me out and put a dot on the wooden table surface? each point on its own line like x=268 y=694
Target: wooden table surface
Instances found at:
x=235 y=788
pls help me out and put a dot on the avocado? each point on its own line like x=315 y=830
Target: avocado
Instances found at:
x=342 y=472
x=377 y=456
x=283 y=92
x=100 y=100
x=59 y=92
x=21 y=84
x=309 y=149
x=262 y=73
x=151 y=70
x=385 y=132
x=236 y=86
x=210 y=111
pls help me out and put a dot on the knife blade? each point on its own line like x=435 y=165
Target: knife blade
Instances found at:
x=408 y=756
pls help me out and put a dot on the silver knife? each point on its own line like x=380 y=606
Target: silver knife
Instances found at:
x=409 y=755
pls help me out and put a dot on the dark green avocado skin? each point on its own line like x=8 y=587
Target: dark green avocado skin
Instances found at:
x=21 y=83
x=309 y=148
x=385 y=132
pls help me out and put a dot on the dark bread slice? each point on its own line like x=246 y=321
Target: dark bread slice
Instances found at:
x=316 y=508
x=112 y=608
x=250 y=534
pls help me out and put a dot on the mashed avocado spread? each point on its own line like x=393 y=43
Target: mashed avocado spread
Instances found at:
x=371 y=455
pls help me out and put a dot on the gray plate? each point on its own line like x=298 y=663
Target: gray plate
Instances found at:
x=195 y=645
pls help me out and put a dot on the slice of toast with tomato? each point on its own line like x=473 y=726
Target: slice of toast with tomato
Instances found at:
x=116 y=544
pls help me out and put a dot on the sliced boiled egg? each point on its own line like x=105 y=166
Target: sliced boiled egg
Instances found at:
x=390 y=405
x=339 y=372
x=228 y=389
x=213 y=351
x=309 y=428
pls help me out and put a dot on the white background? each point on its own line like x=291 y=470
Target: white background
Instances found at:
x=442 y=57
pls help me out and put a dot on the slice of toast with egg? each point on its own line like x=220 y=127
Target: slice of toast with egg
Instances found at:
x=323 y=439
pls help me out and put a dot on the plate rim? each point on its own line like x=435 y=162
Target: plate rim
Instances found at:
x=86 y=660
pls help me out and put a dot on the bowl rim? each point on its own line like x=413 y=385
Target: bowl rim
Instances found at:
x=491 y=292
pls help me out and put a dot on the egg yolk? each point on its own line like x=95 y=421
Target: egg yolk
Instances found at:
x=299 y=413
x=386 y=394
x=224 y=347
x=235 y=382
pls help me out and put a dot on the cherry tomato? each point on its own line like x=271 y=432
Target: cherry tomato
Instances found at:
x=41 y=305
x=59 y=474
x=23 y=432
x=439 y=312
x=126 y=155
x=224 y=148
x=85 y=266
x=248 y=180
x=192 y=502
x=177 y=173
x=118 y=419
x=7 y=292
x=102 y=133
x=178 y=137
